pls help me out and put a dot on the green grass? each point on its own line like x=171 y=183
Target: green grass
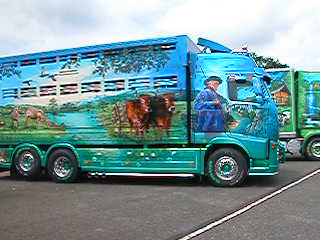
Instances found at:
x=17 y=131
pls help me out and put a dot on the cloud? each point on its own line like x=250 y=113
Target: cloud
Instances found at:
x=283 y=29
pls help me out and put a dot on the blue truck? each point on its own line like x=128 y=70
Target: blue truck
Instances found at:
x=154 y=106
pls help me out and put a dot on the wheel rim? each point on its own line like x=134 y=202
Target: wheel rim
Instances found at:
x=315 y=149
x=226 y=168
x=62 y=167
x=26 y=161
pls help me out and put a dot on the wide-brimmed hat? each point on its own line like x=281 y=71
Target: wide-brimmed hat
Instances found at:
x=213 y=78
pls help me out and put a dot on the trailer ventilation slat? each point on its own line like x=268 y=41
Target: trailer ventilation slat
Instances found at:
x=71 y=88
x=161 y=47
x=170 y=46
x=48 y=90
x=139 y=83
x=48 y=60
x=91 y=87
x=9 y=93
x=64 y=58
x=28 y=62
x=27 y=92
x=114 y=85
x=89 y=55
x=166 y=82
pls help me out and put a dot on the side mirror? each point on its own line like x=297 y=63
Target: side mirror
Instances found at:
x=267 y=79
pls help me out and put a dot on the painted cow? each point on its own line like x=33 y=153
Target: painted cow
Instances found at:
x=138 y=113
x=36 y=114
x=163 y=107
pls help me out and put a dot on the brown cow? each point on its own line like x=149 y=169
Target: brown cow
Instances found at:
x=36 y=114
x=163 y=107
x=138 y=113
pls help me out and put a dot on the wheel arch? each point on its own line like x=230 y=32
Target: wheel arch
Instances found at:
x=214 y=147
x=307 y=140
x=66 y=146
x=26 y=146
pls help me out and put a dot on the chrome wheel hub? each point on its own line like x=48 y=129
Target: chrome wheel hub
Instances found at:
x=315 y=149
x=62 y=167
x=226 y=168
x=26 y=161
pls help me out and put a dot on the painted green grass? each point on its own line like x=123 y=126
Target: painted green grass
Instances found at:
x=17 y=131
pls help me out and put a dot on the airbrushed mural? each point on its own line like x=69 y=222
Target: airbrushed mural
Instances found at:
x=116 y=96
x=309 y=99
x=280 y=89
x=232 y=102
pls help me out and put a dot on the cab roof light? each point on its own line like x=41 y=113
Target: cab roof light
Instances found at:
x=242 y=50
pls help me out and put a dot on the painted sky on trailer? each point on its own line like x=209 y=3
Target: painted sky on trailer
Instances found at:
x=287 y=30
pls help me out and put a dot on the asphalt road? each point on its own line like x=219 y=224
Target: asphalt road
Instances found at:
x=292 y=215
x=131 y=208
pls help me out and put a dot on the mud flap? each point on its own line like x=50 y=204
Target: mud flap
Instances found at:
x=281 y=152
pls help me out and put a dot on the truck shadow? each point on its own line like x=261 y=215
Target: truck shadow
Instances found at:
x=156 y=181
x=286 y=176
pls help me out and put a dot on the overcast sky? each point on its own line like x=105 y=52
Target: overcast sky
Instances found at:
x=287 y=30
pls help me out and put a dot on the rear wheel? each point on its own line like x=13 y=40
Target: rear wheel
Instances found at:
x=27 y=163
x=226 y=167
x=313 y=149
x=63 y=166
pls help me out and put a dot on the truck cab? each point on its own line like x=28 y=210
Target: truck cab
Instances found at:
x=248 y=114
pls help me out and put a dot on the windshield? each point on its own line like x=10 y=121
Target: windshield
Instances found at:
x=246 y=91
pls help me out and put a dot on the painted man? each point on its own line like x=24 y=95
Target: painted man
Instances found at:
x=208 y=107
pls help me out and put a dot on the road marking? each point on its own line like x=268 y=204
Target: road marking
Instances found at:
x=247 y=208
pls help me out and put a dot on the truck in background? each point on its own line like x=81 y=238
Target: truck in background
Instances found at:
x=138 y=107
x=297 y=94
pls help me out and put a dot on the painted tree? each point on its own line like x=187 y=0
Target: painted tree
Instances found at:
x=53 y=106
x=8 y=71
x=72 y=63
x=131 y=60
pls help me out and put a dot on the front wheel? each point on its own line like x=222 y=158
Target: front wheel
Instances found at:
x=63 y=166
x=313 y=149
x=226 y=167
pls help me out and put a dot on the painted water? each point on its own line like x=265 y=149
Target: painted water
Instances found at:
x=81 y=126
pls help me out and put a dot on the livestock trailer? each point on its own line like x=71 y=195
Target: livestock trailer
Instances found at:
x=142 y=107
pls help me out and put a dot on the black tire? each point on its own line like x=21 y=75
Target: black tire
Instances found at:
x=27 y=164
x=14 y=173
x=312 y=151
x=226 y=167
x=63 y=166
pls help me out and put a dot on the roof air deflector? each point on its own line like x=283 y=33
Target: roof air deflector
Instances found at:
x=213 y=46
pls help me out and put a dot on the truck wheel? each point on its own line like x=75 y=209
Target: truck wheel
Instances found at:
x=313 y=149
x=226 y=167
x=63 y=166
x=27 y=163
